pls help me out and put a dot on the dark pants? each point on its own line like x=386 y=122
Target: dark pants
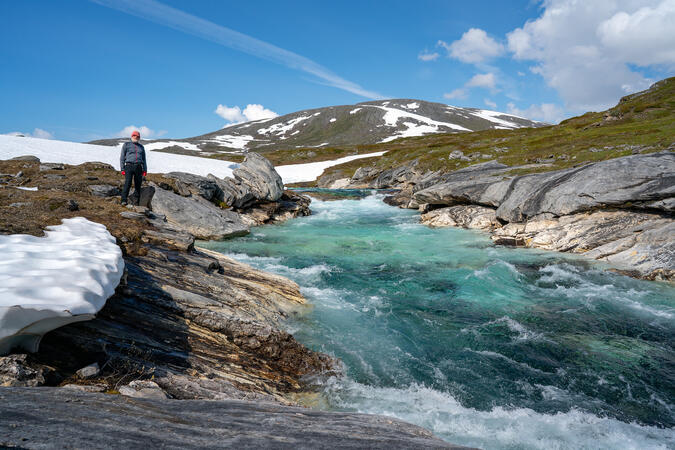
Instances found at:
x=135 y=172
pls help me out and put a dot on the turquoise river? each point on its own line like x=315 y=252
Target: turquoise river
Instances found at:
x=486 y=346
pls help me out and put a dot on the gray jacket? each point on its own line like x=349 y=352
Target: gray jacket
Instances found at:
x=133 y=153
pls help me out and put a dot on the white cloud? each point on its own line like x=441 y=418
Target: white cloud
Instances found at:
x=545 y=112
x=480 y=80
x=475 y=46
x=37 y=133
x=647 y=28
x=426 y=56
x=162 y=14
x=489 y=103
x=483 y=80
x=457 y=93
x=584 y=49
x=252 y=112
x=146 y=133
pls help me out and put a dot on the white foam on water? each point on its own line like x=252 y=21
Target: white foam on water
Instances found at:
x=499 y=427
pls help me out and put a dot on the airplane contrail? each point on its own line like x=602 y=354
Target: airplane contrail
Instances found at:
x=162 y=14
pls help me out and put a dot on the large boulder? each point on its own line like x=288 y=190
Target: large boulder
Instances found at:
x=258 y=174
x=197 y=216
x=637 y=181
x=632 y=181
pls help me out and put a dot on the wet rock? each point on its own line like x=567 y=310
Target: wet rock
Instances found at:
x=89 y=371
x=641 y=242
x=103 y=190
x=163 y=423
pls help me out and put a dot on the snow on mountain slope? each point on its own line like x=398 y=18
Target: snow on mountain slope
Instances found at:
x=364 y=123
x=49 y=150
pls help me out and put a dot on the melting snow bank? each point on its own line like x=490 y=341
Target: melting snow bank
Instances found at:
x=297 y=173
x=47 y=282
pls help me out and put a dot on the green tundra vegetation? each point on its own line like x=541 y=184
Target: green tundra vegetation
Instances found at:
x=642 y=122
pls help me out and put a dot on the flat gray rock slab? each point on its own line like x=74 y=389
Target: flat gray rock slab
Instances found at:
x=56 y=417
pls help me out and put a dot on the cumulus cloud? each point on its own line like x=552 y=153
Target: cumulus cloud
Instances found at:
x=475 y=46
x=457 y=93
x=545 y=112
x=629 y=34
x=426 y=56
x=37 y=133
x=480 y=80
x=146 y=133
x=489 y=103
x=252 y=112
x=585 y=50
x=483 y=80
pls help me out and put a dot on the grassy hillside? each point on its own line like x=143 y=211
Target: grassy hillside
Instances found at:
x=643 y=122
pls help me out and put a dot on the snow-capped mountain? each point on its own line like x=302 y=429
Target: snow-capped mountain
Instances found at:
x=364 y=123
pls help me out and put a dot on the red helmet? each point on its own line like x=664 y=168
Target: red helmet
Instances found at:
x=135 y=133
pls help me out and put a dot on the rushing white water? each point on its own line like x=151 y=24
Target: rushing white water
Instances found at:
x=486 y=346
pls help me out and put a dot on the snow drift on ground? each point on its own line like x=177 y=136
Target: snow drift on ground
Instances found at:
x=158 y=162
x=76 y=153
x=47 y=282
x=296 y=173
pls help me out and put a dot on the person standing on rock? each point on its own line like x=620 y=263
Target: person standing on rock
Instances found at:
x=133 y=165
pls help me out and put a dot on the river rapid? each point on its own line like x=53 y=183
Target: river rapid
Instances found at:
x=486 y=346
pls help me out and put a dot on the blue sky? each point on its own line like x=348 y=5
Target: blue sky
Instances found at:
x=81 y=70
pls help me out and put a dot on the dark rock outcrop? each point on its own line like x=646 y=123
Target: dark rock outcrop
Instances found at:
x=49 y=417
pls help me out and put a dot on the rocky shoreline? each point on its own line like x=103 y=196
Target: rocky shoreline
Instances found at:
x=185 y=323
x=619 y=211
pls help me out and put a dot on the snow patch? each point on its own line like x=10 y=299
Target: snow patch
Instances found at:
x=423 y=126
x=233 y=141
x=47 y=282
x=413 y=105
x=492 y=117
x=354 y=111
x=160 y=145
x=333 y=119
x=76 y=153
x=296 y=173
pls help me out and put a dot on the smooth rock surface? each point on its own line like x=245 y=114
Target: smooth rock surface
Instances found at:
x=197 y=215
x=51 y=417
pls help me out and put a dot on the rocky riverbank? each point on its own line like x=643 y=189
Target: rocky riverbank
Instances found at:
x=619 y=210
x=185 y=322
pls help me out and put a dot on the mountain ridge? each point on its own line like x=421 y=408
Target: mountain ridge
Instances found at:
x=364 y=123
